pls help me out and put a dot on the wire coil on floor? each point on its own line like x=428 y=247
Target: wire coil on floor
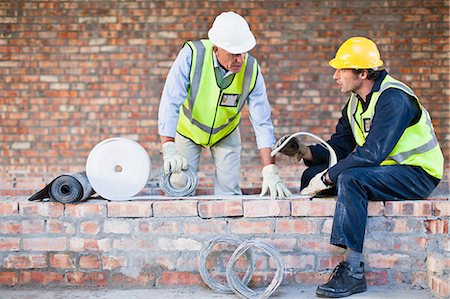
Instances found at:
x=187 y=190
x=244 y=291
x=204 y=253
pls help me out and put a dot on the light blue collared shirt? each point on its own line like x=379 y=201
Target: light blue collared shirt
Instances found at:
x=175 y=93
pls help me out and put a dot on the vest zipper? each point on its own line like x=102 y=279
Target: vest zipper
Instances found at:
x=215 y=114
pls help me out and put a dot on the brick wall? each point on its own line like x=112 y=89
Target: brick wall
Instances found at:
x=76 y=72
x=156 y=243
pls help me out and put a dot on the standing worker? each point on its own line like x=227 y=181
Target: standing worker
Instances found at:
x=206 y=88
x=387 y=150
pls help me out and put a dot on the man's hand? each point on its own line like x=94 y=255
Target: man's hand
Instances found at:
x=273 y=182
x=315 y=185
x=294 y=148
x=173 y=161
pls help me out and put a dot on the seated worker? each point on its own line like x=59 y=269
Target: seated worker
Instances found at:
x=386 y=149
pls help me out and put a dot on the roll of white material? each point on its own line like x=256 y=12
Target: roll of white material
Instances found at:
x=118 y=168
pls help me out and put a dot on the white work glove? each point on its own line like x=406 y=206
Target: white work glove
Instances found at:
x=273 y=182
x=294 y=149
x=315 y=185
x=173 y=161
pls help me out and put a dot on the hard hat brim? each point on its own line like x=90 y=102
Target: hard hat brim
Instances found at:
x=339 y=64
x=248 y=42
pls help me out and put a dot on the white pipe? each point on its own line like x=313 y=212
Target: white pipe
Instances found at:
x=333 y=158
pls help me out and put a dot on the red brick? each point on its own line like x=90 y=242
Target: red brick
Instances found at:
x=318 y=245
x=375 y=208
x=61 y=261
x=45 y=209
x=179 y=279
x=113 y=262
x=311 y=277
x=165 y=226
x=178 y=244
x=25 y=261
x=205 y=227
x=44 y=244
x=407 y=208
x=89 y=262
x=55 y=226
x=401 y=226
x=9 y=208
x=85 y=210
x=377 y=278
x=389 y=261
x=297 y=262
x=437 y=226
x=130 y=209
x=283 y=244
x=267 y=208
x=35 y=226
x=175 y=208
x=220 y=208
x=132 y=244
x=98 y=279
x=116 y=227
x=40 y=278
x=296 y=226
x=79 y=244
x=142 y=279
x=419 y=279
x=329 y=262
x=9 y=244
x=313 y=208
x=90 y=227
x=10 y=227
x=441 y=208
x=8 y=279
x=439 y=286
x=251 y=227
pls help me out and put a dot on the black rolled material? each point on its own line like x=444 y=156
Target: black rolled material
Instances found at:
x=66 y=188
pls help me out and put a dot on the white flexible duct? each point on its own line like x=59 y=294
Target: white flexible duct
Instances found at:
x=118 y=168
x=333 y=158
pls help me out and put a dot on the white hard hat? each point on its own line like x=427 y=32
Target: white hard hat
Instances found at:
x=231 y=32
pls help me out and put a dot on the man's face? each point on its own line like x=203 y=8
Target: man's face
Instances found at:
x=347 y=80
x=232 y=62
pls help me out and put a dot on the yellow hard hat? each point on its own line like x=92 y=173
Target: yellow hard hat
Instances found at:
x=357 y=53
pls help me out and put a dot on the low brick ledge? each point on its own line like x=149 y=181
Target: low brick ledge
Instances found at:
x=156 y=242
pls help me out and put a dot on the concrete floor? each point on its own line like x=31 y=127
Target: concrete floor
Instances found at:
x=308 y=292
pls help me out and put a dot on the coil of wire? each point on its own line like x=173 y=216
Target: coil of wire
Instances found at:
x=203 y=256
x=242 y=290
x=187 y=190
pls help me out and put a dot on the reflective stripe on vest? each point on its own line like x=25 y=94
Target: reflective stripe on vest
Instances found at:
x=197 y=126
x=413 y=154
x=195 y=84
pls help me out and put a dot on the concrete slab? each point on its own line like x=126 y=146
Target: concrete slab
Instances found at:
x=306 y=292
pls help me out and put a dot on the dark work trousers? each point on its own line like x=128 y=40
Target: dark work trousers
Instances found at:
x=356 y=186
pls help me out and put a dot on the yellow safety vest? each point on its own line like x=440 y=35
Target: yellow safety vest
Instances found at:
x=418 y=146
x=210 y=112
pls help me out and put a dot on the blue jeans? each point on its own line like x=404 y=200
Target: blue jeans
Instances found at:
x=356 y=186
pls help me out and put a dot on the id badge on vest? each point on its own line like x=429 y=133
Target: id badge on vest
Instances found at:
x=366 y=123
x=229 y=100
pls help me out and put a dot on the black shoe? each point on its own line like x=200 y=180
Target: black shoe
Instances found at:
x=344 y=281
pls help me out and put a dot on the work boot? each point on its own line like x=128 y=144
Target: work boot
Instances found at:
x=344 y=281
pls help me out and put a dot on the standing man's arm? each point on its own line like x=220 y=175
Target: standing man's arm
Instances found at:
x=173 y=96
x=259 y=113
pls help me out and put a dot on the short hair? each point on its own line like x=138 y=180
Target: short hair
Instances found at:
x=371 y=73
